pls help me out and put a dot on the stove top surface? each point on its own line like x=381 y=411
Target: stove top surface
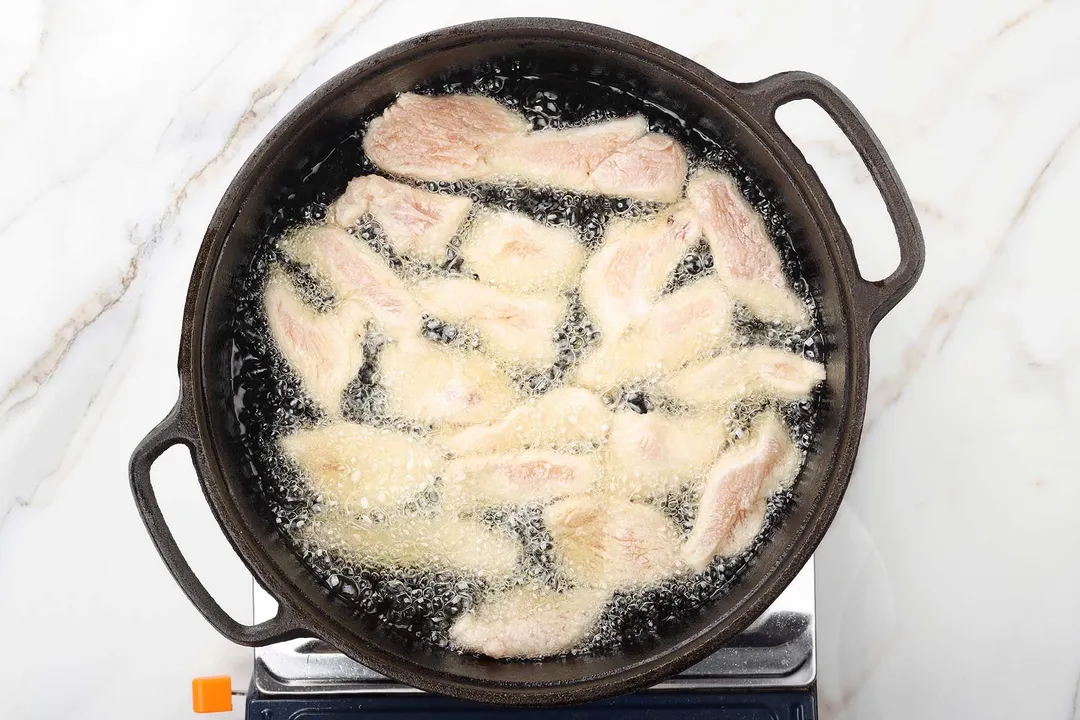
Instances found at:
x=776 y=653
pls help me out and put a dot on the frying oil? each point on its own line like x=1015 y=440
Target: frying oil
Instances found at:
x=418 y=604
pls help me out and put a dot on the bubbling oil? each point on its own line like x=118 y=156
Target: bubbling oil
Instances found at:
x=418 y=602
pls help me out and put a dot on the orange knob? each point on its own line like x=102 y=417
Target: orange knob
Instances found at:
x=211 y=694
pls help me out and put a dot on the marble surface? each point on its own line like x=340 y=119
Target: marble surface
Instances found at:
x=949 y=584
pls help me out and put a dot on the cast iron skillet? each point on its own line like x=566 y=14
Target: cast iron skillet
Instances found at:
x=851 y=307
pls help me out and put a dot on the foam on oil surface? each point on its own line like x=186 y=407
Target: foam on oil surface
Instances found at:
x=418 y=605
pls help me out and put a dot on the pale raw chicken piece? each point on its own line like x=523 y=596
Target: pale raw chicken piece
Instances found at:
x=417 y=223
x=691 y=322
x=325 y=350
x=760 y=371
x=563 y=158
x=511 y=251
x=529 y=621
x=610 y=543
x=440 y=137
x=440 y=542
x=467 y=137
x=743 y=252
x=732 y=502
x=623 y=279
x=357 y=274
x=434 y=384
x=565 y=418
x=519 y=478
x=653 y=167
x=656 y=453
x=517 y=329
x=745 y=530
x=364 y=468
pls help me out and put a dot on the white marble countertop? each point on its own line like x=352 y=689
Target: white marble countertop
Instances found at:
x=949 y=585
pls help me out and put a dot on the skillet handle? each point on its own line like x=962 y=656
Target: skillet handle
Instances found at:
x=875 y=297
x=176 y=429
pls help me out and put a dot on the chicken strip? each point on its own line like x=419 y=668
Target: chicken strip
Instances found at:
x=656 y=453
x=653 y=167
x=364 y=468
x=691 y=322
x=510 y=251
x=520 y=478
x=565 y=418
x=416 y=223
x=563 y=158
x=744 y=531
x=467 y=137
x=440 y=137
x=529 y=621
x=325 y=350
x=756 y=372
x=441 y=542
x=357 y=274
x=432 y=384
x=627 y=274
x=745 y=257
x=732 y=505
x=516 y=329
x=610 y=543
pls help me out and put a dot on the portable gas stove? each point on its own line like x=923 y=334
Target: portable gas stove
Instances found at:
x=767 y=671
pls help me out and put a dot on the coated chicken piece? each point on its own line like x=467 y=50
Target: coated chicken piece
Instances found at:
x=363 y=468
x=357 y=275
x=529 y=621
x=624 y=278
x=468 y=137
x=745 y=257
x=416 y=223
x=519 y=478
x=565 y=418
x=653 y=167
x=434 y=384
x=324 y=349
x=744 y=531
x=516 y=329
x=440 y=137
x=755 y=372
x=426 y=542
x=563 y=158
x=732 y=504
x=608 y=543
x=512 y=252
x=692 y=322
x=656 y=453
